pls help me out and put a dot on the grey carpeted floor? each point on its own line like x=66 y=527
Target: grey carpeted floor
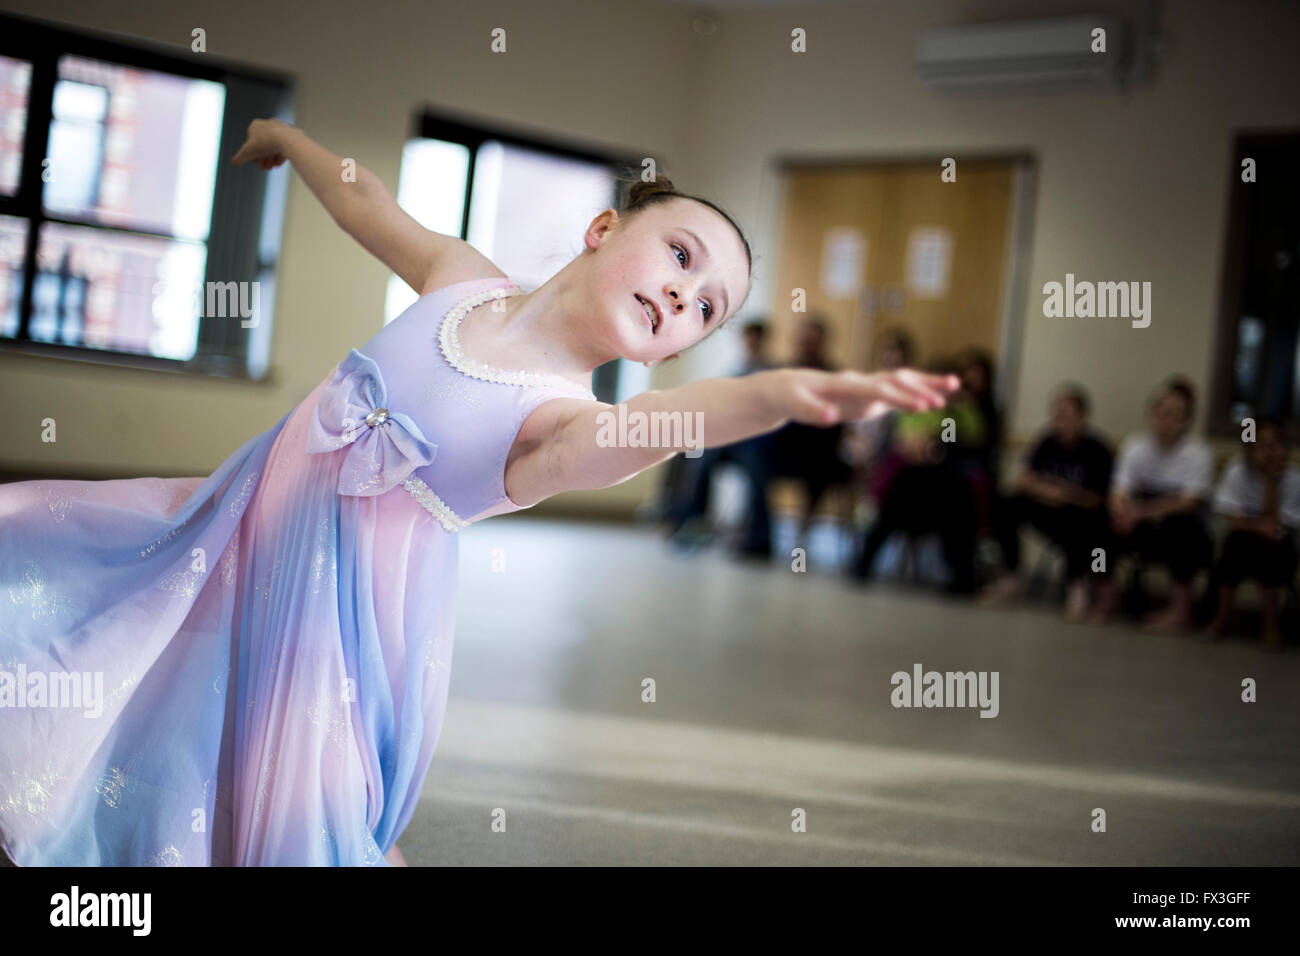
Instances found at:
x=773 y=695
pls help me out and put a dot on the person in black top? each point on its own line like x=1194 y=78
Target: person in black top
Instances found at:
x=688 y=516
x=1062 y=492
x=977 y=462
x=976 y=370
x=810 y=453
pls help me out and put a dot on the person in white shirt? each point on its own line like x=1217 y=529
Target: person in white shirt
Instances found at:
x=1163 y=480
x=1260 y=497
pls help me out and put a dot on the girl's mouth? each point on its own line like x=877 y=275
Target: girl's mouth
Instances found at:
x=651 y=313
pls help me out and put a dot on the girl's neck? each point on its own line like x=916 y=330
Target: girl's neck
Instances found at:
x=534 y=331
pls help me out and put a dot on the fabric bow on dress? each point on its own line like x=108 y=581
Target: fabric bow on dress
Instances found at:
x=386 y=445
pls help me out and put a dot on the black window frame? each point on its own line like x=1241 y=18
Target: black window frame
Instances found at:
x=444 y=125
x=243 y=243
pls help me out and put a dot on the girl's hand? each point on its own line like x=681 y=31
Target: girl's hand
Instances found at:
x=265 y=144
x=814 y=397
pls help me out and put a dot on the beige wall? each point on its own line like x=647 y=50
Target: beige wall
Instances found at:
x=1131 y=186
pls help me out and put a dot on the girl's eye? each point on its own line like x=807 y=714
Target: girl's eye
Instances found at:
x=708 y=309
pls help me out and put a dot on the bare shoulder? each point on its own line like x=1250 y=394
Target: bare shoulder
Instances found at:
x=458 y=261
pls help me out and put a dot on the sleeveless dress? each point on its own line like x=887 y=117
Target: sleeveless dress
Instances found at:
x=252 y=668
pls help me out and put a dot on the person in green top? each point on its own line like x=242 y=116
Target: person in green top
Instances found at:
x=961 y=424
x=931 y=491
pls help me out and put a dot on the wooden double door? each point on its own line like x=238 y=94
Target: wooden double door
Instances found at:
x=876 y=246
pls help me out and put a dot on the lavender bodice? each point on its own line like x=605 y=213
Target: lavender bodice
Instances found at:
x=422 y=415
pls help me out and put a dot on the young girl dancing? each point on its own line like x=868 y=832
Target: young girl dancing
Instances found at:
x=263 y=654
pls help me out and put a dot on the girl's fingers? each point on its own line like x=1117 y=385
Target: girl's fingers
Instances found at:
x=853 y=393
x=937 y=387
x=928 y=397
x=895 y=394
x=897 y=390
x=857 y=389
x=811 y=407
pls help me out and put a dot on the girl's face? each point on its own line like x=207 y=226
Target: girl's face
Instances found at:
x=681 y=258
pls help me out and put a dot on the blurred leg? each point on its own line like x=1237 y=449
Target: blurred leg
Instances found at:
x=951 y=499
x=1276 y=568
x=895 y=510
x=1228 y=573
x=698 y=480
x=1116 y=546
x=752 y=456
x=1184 y=545
x=1009 y=515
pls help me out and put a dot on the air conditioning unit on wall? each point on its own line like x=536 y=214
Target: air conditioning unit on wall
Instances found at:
x=1019 y=54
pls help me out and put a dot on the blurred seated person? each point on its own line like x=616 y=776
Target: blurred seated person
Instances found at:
x=809 y=453
x=1163 y=480
x=978 y=460
x=1061 y=491
x=867 y=443
x=752 y=455
x=929 y=492
x=1259 y=495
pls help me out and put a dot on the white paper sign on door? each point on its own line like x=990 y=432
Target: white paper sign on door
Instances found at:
x=929 y=262
x=844 y=261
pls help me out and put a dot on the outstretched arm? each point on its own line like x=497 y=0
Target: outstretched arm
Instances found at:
x=363 y=208
x=575 y=451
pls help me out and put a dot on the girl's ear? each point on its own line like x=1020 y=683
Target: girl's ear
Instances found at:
x=599 y=227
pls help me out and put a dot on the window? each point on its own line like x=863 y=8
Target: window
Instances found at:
x=1257 y=359
x=523 y=202
x=124 y=236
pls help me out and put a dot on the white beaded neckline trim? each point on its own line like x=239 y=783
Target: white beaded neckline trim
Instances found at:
x=449 y=342
x=433 y=504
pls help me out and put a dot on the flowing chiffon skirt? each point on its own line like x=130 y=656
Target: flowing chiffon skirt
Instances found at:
x=272 y=659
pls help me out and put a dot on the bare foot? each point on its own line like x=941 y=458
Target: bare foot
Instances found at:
x=1172 y=620
x=1217 y=627
x=1007 y=589
x=1107 y=599
x=395 y=858
x=1076 y=602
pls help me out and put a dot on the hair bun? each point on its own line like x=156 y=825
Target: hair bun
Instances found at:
x=642 y=190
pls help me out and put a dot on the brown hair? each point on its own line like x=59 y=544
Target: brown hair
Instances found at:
x=1181 y=386
x=643 y=194
x=1076 y=394
x=897 y=337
